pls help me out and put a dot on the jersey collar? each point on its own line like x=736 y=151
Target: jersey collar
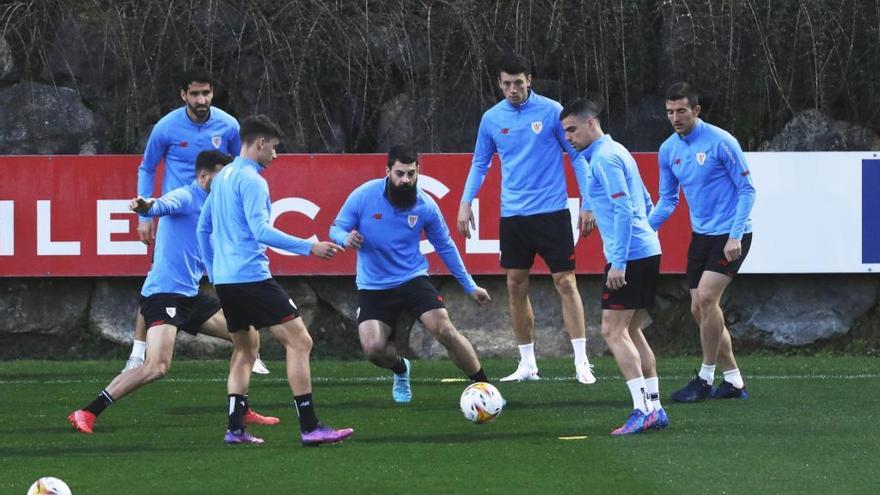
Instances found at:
x=530 y=102
x=695 y=132
x=594 y=146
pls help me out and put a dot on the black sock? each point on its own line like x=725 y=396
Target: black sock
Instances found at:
x=237 y=405
x=479 y=376
x=99 y=404
x=399 y=367
x=247 y=405
x=306 y=412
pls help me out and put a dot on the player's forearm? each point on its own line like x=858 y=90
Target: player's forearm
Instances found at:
x=744 y=204
x=273 y=237
x=622 y=235
x=474 y=182
x=338 y=234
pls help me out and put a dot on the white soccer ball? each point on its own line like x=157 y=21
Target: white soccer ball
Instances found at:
x=481 y=402
x=49 y=486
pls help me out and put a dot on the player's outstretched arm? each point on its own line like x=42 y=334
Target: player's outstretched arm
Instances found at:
x=203 y=237
x=255 y=202
x=156 y=147
x=325 y=249
x=482 y=160
x=669 y=192
x=140 y=205
x=481 y=296
x=438 y=235
x=343 y=230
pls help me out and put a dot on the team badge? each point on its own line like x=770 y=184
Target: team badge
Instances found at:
x=171 y=311
x=537 y=126
x=217 y=141
x=291 y=303
x=701 y=158
x=411 y=220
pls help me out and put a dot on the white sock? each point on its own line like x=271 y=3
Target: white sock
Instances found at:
x=707 y=373
x=139 y=349
x=652 y=386
x=527 y=355
x=638 y=391
x=580 y=351
x=734 y=378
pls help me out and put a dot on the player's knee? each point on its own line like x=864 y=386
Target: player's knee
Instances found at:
x=517 y=287
x=373 y=350
x=695 y=310
x=706 y=301
x=301 y=342
x=609 y=332
x=565 y=286
x=444 y=333
x=158 y=370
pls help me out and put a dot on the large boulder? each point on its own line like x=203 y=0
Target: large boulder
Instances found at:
x=45 y=306
x=112 y=316
x=7 y=62
x=814 y=131
x=797 y=311
x=45 y=318
x=489 y=328
x=41 y=120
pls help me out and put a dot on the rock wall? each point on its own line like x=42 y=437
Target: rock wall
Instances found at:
x=80 y=318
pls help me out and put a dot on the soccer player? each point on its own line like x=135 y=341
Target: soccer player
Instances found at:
x=524 y=129
x=237 y=213
x=170 y=299
x=621 y=204
x=708 y=164
x=176 y=140
x=384 y=219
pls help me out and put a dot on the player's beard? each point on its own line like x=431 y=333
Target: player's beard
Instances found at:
x=402 y=197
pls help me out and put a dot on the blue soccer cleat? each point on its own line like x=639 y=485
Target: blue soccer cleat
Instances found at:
x=727 y=391
x=634 y=424
x=401 y=391
x=658 y=419
x=695 y=391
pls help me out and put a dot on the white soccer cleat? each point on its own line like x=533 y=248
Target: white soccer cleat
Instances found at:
x=585 y=374
x=132 y=363
x=260 y=367
x=522 y=374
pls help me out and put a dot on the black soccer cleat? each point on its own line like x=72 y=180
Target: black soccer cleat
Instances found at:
x=695 y=391
x=727 y=391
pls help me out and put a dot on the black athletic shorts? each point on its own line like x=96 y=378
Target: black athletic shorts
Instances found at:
x=258 y=304
x=640 y=288
x=418 y=296
x=185 y=313
x=706 y=253
x=547 y=234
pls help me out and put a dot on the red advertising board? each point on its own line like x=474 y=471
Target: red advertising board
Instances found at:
x=67 y=215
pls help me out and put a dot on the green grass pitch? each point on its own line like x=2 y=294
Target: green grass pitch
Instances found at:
x=810 y=427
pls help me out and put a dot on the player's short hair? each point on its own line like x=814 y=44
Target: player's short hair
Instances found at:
x=402 y=153
x=512 y=63
x=209 y=159
x=194 y=75
x=582 y=108
x=681 y=90
x=259 y=126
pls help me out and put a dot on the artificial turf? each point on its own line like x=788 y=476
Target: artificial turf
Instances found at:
x=808 y=428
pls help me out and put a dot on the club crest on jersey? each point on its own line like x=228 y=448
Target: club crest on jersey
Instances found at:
x=411 y=220
x=701 y=158
x=171 y=311
x=537 y=126
x=217 y=141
